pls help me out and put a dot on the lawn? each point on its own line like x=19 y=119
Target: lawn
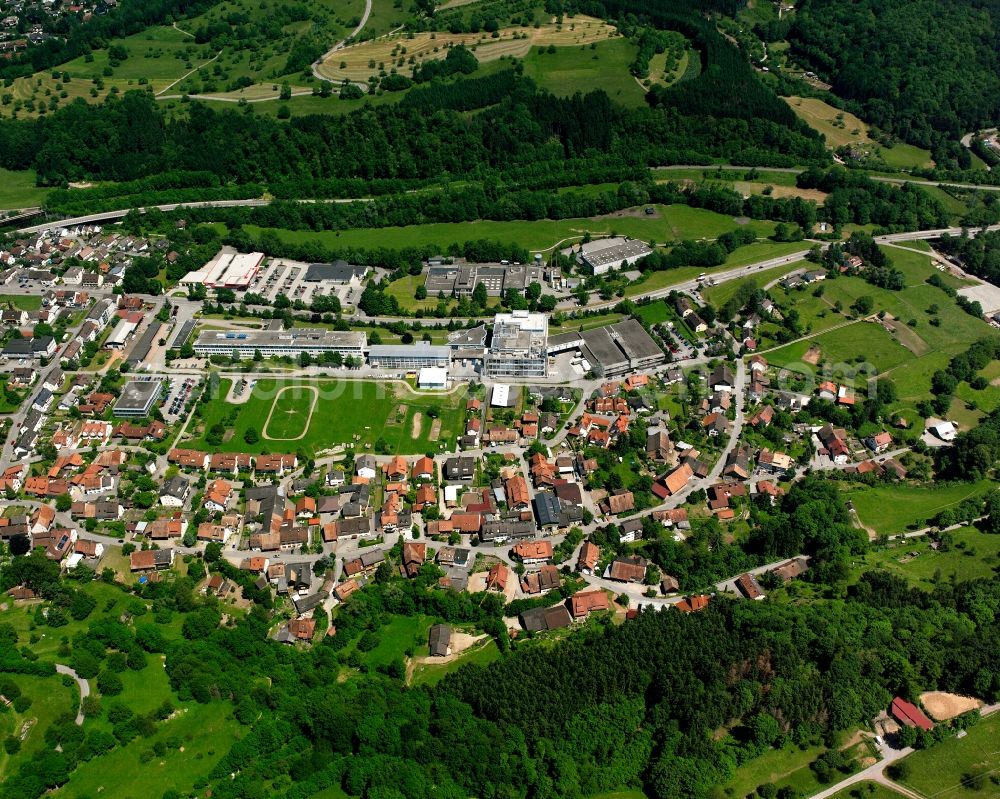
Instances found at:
x=431 y=673
x=605 y=66
x=941 y=770
x=974 y=555
x=670 y=223
x=895 y=509
x=771 y=767
x=18 y=190
x=347 y=412
x=654 y=313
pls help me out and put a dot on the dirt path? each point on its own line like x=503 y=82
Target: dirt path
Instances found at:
x=305 y=428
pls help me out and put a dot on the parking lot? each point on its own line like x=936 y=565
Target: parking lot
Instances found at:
x=178 y=393
x=286 y=277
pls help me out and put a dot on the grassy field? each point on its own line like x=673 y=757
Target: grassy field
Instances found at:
x=898 y=508
x=290 y=414
x=943 y=770
x=205 y=731
x=912 y=352
x=671 y=222
x=717 y=174
x=49 y=700
x=18 y=190
x=774 y=766
x=721 y=294
x=869 y=790
x=839 y=127
x=432 y=673
x=353 y=413
x=974 y=555
x=603 y=65
x=404 y=51
x=906 y=156
x=23 y=301
x=395 y=639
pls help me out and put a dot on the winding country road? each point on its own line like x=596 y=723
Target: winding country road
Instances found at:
x=84 y=688
x=342 y=44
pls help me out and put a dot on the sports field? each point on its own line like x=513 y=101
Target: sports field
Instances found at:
x=343 y=413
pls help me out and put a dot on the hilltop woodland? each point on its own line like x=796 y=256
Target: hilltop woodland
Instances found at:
x=639 y=704
x=920 y=70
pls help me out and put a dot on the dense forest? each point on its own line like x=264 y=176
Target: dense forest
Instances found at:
x=923 y=70
x=669 y=702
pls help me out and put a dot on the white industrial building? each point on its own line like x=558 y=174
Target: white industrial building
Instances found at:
x=120 y=335
x=228 y=269
x=432 y=377
x=604 y=255
x=275 y=343
x=518 y=345
x=408 y=356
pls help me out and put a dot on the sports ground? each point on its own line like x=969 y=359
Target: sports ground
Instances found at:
x=317 y=415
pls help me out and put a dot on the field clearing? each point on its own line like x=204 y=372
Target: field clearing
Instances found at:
x=18 y=190
x=895 y=509
x=364 y=412
x=671 y=222
x=602 y=65
x=746 y=174
x=844 y=347
x=355 y=62
x=747 y=188
x=941 y=770
x=917 y=349
x=823 y=118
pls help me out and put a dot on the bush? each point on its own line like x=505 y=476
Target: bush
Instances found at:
x=12 y=745
x=109 y=683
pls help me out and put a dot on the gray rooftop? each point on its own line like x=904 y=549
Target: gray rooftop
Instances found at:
x=137 y=394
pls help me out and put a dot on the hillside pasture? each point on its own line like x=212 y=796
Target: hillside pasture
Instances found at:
x=840 y=128
x=584 y=68
x=403 y=51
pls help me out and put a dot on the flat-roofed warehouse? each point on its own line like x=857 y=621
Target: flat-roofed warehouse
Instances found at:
x=460 y=280
x=273 y=343
x=228 y=269
x=142 y=347
x=612 y=350
x=606 y=254
x=138 y=398
x=408 y=356
x=337 y=272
